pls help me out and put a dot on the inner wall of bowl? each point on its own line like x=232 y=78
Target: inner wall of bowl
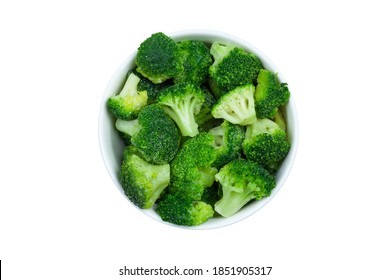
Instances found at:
x=112 y=146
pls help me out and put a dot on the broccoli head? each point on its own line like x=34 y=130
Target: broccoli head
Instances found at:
x=196 y=61
x=153 y=133
x=266 y=143
x=228 y=138
x=232 y=67
x=181 y=210
x=242 y=181
x=158 y=58
x=191 y=169
x=237 y=106
x=269 y=95
x=182 y=102
x=129 y=102
x=141 y=181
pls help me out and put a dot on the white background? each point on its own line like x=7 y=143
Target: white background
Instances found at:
x=62 y=217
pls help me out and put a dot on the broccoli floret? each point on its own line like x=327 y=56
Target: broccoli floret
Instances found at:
x=129 y=102
x=242 y=181
x=191 y=169
x=205 y=111
x=228 y=138
x=158 y=58
x=183 y=102
x=153 y=133
x=196 y=61
x=142 y=182
x=266 y=143
x=237 y=106
x=181 y=210
x=269 y=95
x=232 y=67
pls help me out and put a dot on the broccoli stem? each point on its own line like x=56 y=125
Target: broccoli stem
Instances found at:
x=219 y=51
x=231 y=202
x=260 y=127
x=183 y=114
x=207 y=175
x=130 y=87
x=160 y=182
x=239 y=113
x=128 y=127
x=218 y=133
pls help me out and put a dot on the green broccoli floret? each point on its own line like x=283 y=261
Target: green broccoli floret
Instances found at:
x=153 y=133
x=269 y=95
x=266 y=143
x=142 y=182
x=237 y=106
x=183 y=102
x=205 y=111
x=242 y=181
x=129 y=102
x=196 y=61
x=158 y=58
x=232 y=67
x=228 y=138
x=191 y=169
x=181 y=210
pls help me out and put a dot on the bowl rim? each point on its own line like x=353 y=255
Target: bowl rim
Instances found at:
x=206 y=35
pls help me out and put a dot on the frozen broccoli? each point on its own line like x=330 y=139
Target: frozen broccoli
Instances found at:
x=269 y=94
x=158 y=58
x=242 y=181
x=153 y=133
x=232 y=67
x=142 y=182
x=196 y=61
x=181 y=210
x=183 y=102
x=266 y=143
x=129 y=102
x=228 y=138
x=237 y=106
x=191 y=169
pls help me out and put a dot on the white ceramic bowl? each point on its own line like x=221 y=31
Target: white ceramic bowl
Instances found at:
x=111 y=145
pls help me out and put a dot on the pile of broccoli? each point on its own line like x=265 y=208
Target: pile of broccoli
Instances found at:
x=203 y=129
